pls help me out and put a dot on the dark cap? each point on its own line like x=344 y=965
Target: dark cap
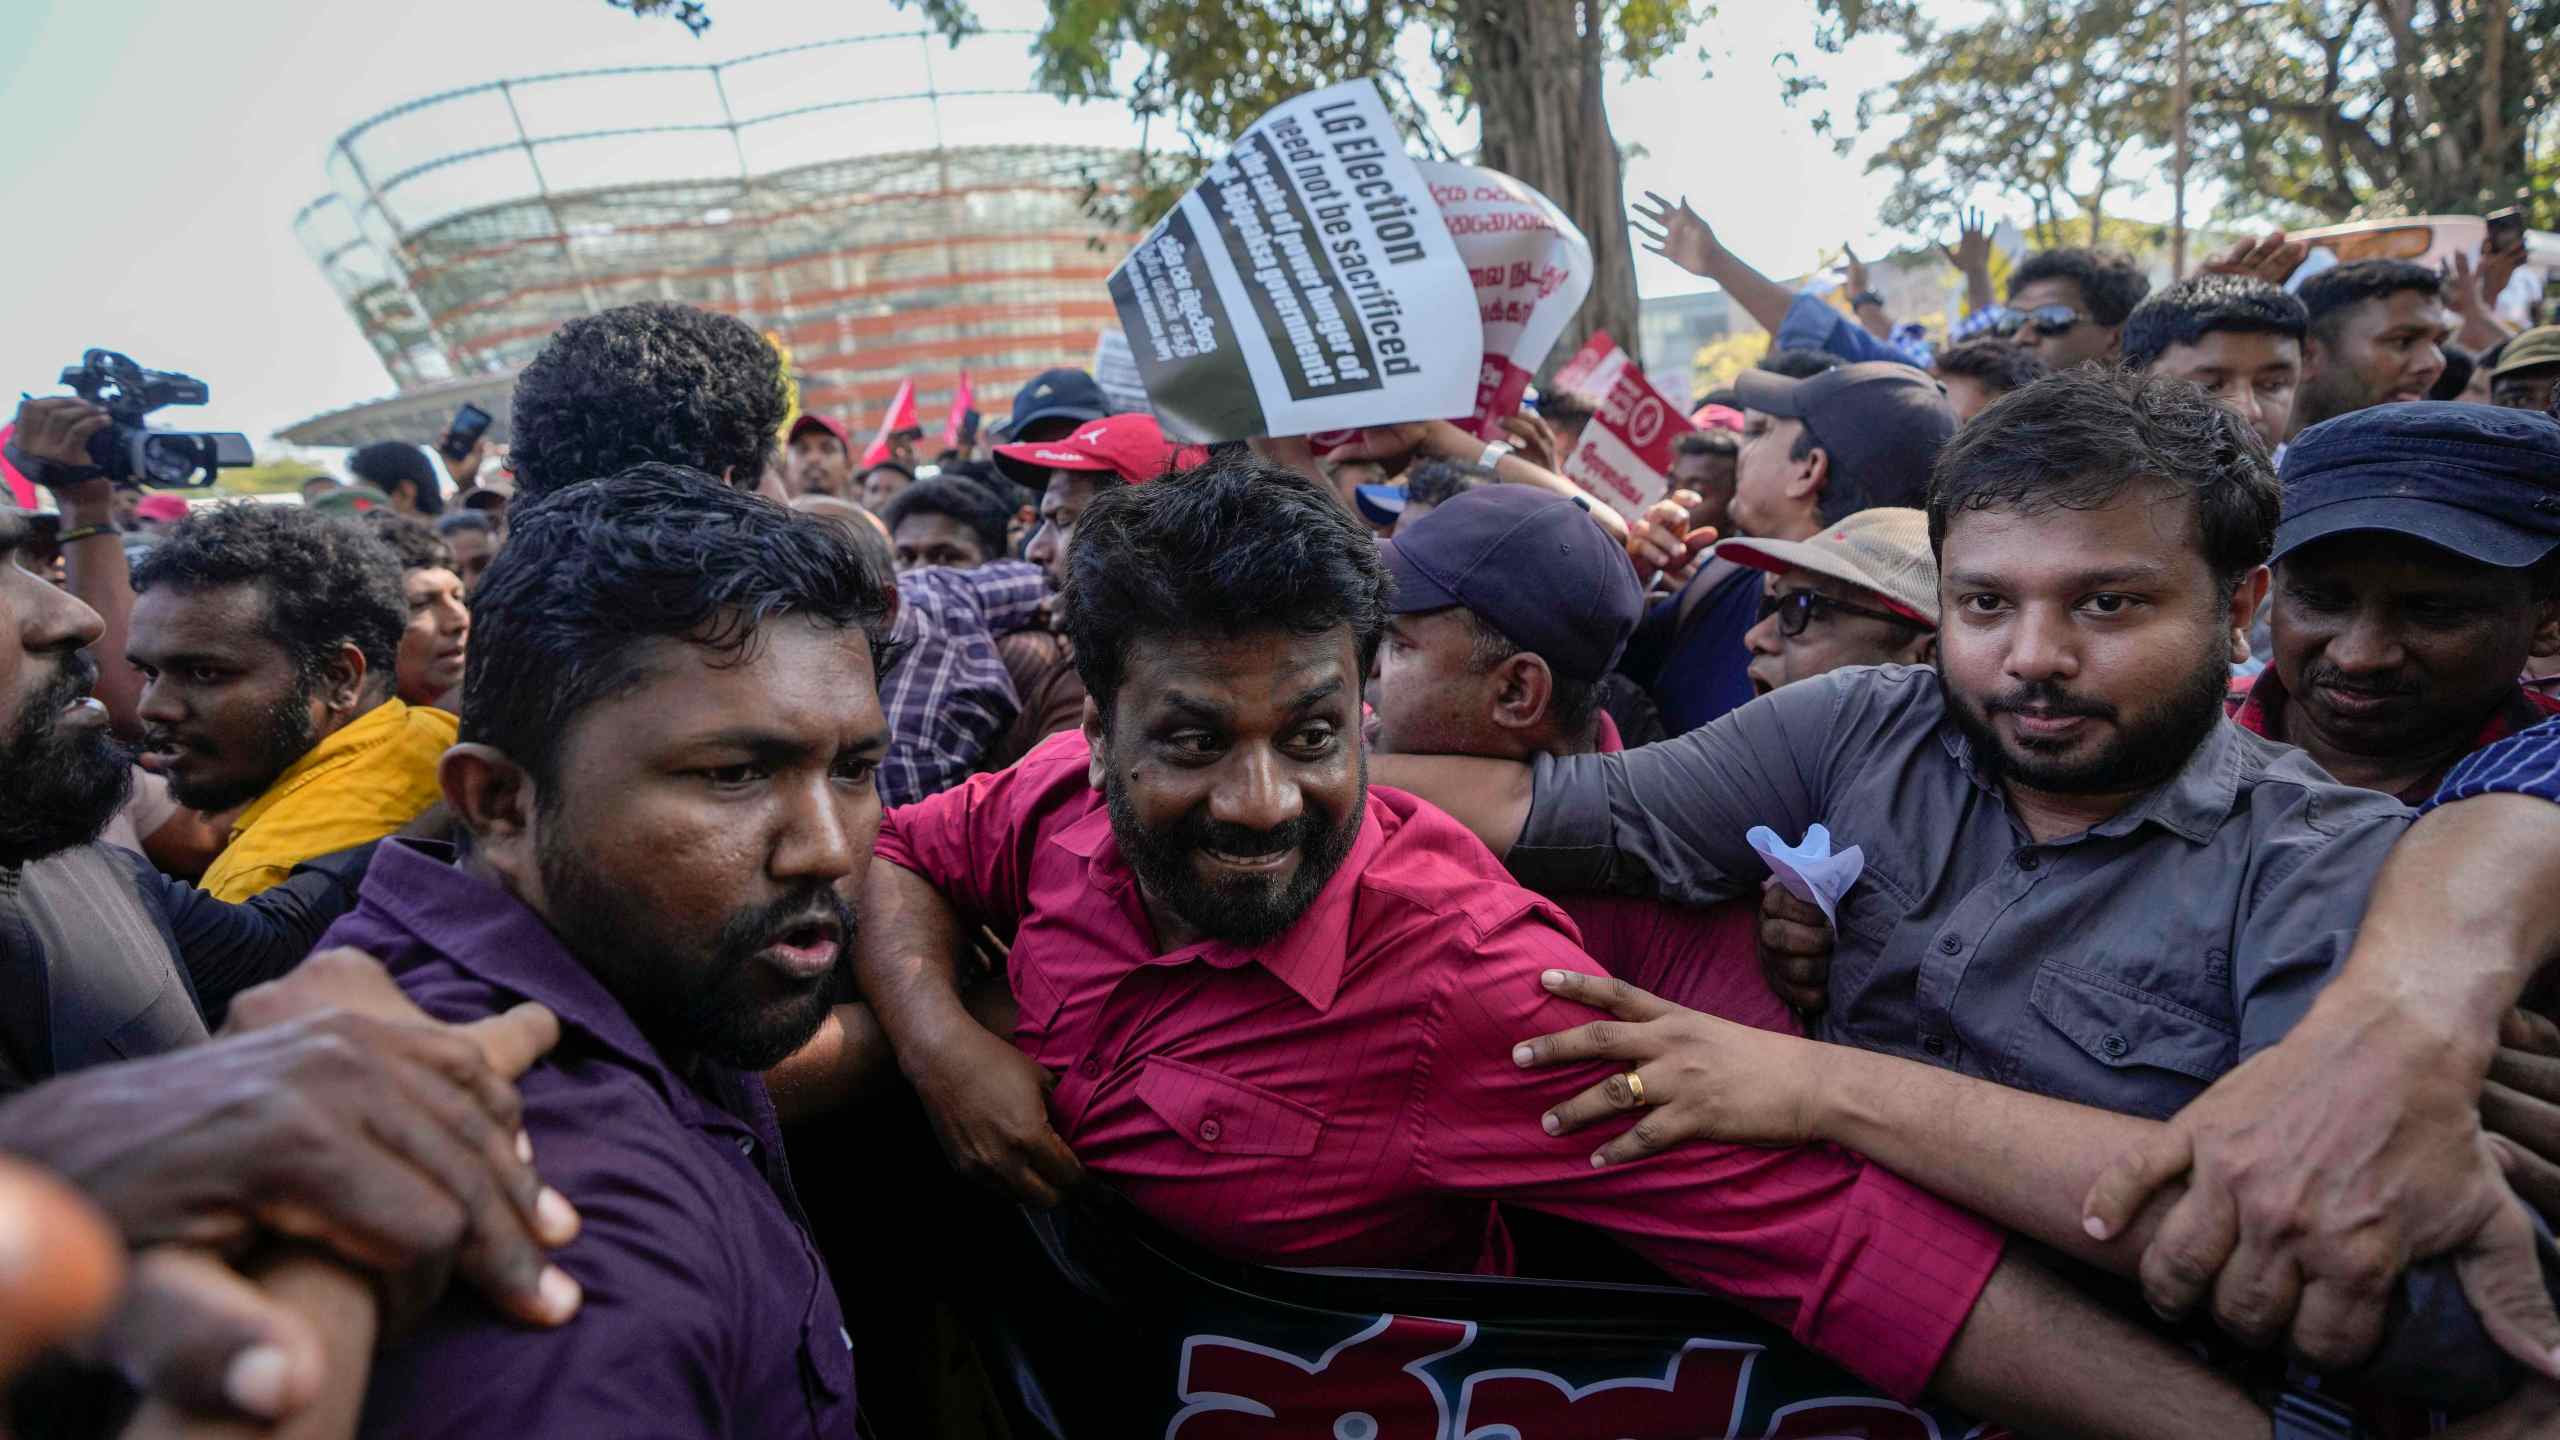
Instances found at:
x=1062 y=394
x=1531 y=564
x=2477 y=480
x=1882 y=423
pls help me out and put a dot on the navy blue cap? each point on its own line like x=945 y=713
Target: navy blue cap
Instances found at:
x=1531 y=564
x=1883 y=423
x=2478 y=480
x=1061 y=394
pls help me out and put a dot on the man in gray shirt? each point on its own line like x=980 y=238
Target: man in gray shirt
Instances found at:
x=2079 y=880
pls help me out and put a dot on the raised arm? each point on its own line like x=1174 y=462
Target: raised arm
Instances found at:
x=51 y=443
x=988 y=1101
x=1679 y=235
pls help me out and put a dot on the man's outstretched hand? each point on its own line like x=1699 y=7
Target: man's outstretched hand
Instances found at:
x=1972 y=251
x=1677 y=234
x=2316 y=1173
x=330 y=1110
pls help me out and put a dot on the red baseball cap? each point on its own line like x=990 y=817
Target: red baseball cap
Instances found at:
x=1131 y=446
x=827 y=423
x=167 y=509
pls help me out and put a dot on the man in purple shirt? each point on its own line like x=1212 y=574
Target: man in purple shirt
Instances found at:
x=669 y=737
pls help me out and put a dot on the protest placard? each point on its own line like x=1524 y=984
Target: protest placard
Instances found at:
x=1115 y=369
x=1624 y=458
x=1306 y=283
x=1530 y=267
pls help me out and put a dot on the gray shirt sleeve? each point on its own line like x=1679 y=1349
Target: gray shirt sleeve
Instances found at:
x=1667 y=820
x=2315 y=871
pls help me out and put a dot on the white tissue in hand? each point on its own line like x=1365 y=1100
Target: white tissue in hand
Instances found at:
x=1809 y=870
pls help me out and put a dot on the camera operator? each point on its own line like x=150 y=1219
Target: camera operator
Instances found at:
x=52 y=439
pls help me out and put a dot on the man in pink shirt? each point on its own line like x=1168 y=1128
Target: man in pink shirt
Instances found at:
x=1276 y=1009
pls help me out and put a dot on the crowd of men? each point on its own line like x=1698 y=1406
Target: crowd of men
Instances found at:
x=463 y=933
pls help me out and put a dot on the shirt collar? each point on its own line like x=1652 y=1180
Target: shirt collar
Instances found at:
x=481 y=928
x=374 y=727
x=2192 y=803
x=1307 y=957
x=2261 y=712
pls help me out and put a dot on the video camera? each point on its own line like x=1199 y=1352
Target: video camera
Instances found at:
x=128 y=451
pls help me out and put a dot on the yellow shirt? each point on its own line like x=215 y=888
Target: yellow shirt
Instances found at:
x=373 y=776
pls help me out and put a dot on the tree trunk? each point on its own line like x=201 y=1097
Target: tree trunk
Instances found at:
x=1535 y=69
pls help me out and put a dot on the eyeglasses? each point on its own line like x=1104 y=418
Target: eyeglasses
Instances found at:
x=2051 y=321
x=1801 y=608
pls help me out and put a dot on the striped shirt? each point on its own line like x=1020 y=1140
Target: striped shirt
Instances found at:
x=948 y=696
x=2525 y=763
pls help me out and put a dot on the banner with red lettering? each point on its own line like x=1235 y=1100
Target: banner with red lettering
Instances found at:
x=1531 y=269
x=1625 y=454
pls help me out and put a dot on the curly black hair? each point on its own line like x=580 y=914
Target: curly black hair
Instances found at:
x=2110 y=284
x=594 y=571
x=2076 y=439
x=1234 y=545
x=2206 y=304
x=418 y=547
x=1999 y=366
x=2329 y=295
x=965 y=502
x=327 y=583
x=656 y=382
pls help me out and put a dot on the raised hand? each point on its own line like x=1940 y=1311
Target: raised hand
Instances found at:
x=1677 y=234
x=2271 y=257
x=1972 y=251
x=1857 y=271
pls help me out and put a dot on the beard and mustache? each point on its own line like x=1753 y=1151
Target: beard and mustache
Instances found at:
x=716 y=1000
x=2154 y=745
x=64 y=785
x=285 y=733
x=1244 y=910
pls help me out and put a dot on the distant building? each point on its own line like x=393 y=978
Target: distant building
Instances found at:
x=878 y=236
x=1673 y=327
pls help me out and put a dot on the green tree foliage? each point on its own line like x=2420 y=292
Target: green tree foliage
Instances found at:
x=1529 y=71
x=2302 y=109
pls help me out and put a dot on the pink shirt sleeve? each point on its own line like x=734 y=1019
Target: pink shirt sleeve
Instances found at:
x=974 y=841
x=1848 y=1258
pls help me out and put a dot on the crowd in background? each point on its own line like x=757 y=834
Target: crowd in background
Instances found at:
x=2030 y=871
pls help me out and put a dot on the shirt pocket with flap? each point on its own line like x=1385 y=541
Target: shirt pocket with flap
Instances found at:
x=1220 y=1115
x=2119 y=1047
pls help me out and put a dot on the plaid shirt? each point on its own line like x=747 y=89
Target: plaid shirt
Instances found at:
x=948 y=694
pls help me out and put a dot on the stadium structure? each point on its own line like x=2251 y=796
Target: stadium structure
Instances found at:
x=884 y=207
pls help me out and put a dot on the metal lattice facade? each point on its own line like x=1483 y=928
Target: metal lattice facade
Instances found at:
x=879 y=236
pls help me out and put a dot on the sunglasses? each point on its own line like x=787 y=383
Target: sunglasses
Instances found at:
x=2050 y=321
x=1800 y=609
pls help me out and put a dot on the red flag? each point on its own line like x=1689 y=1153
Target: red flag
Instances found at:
x=15 y=485
x=962 y=401
x=901 y=415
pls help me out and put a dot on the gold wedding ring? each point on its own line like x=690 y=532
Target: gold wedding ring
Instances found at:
x=1635 y=1086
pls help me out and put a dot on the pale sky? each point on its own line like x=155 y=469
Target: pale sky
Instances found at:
x=160 y=149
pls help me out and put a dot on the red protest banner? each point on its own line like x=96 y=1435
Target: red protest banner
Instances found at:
x=1625 y=455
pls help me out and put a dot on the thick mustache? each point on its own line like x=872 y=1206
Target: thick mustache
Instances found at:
x=2048 y=701
x=1249 y=844
x=2333 y=680
x=766 y=925
x=78 y=678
